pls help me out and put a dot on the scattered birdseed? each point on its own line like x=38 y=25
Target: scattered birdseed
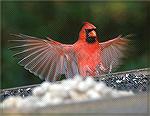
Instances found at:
x=47 y=93
x=128 y=82
x=23 y=92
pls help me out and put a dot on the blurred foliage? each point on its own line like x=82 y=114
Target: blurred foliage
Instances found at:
x=62 y=22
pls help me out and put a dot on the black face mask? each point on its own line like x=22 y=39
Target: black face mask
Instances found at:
x=91 y=39
x=88 y=38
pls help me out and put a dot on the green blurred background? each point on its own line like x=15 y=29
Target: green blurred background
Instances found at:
x=62 y=22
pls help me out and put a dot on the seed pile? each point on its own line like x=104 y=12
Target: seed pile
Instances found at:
x=23 y=92
x=128 y=82
x=136 y=83
x=70 y=90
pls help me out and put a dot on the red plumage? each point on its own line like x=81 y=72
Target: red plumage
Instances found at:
x=48 y=59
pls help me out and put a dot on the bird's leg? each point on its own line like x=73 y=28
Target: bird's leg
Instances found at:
x=86 y=71
x=110 y=67
x=102 y=68
x=110 y=70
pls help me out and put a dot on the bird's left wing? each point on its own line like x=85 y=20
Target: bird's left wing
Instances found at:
x=112 y=51
x=47 y=59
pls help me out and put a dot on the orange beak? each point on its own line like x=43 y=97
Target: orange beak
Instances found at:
x=92 y=34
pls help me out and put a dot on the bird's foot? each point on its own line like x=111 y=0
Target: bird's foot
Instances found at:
x=110 y=71
x=109 y=74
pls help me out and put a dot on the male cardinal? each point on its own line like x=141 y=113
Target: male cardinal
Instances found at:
x=48 y=59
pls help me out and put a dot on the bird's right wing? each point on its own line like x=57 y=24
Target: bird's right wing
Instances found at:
x=47 y=59
x=113 y=50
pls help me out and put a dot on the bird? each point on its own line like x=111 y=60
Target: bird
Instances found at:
x=88 y=56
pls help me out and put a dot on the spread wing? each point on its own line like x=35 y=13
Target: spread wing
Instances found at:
x=45 y=58
x=112 y=51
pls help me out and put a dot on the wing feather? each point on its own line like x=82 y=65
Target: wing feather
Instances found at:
x=47 y=59
x=26 y=60
x=38 y=57
x=112 y=51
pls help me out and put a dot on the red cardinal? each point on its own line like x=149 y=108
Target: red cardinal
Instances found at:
x=48 y=59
